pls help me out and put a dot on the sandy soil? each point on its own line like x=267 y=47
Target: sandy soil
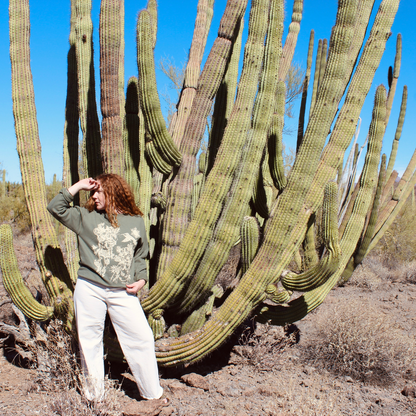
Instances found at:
x=261 y=377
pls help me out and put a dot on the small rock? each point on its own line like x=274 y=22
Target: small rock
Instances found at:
x=195 y=380
x=228 y=391
x=167 y=411
x=144 y=408
x=409 y=391
x=349 y=379
x=176 y=386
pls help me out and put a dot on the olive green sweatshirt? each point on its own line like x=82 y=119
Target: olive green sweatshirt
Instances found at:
x=110 y=256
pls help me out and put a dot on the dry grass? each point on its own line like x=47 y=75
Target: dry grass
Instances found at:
x=373 y=273
x=359 y=341
x=59 y=375
x=263 y=346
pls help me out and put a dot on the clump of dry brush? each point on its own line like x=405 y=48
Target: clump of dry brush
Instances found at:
x=58 y=375
x=362 y=342
x=264 y=344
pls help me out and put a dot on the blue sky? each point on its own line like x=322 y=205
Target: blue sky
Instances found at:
x=49 y=46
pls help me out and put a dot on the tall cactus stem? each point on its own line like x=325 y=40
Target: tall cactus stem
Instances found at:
x=396 y=73
x=316 y=76
x=369 y=231
x=111 y=30
x=291 y=39
x=395 y=145
x=89 y=123
x=305 y=87
x=275 y=140
x=48 y=254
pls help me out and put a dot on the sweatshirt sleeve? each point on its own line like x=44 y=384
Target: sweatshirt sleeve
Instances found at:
x=141 y=252
x=61 y=209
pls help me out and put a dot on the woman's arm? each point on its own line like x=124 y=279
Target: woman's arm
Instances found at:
x=61 y=209
x=139 y=262
x=87 y=184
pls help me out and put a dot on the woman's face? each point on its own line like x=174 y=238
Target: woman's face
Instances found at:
x=99 y=199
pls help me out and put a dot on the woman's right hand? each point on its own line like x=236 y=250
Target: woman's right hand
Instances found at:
x=87 y=184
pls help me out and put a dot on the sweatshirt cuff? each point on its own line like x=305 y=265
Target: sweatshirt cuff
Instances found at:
x=66 y=194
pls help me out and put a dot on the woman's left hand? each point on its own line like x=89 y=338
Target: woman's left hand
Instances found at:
x=133 y=288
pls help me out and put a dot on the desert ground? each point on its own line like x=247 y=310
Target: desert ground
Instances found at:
x=354 y=355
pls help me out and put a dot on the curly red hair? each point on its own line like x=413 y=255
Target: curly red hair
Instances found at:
x=119 y=197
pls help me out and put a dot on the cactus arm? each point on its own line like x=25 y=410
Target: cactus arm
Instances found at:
x=322 y=66
x=396 y=73
x=398 y=192
x=310 y=257
x=228 y=227
x=157 y=323
x=362 y=249
x=302 y=110
x=48 y=255
x=13 y=282
x=70 y=174
x=155 y=158
x=262 y=192
x=316 y=76
x=89 y=122
x=345 y=179
x=392 y=158
x=303 y=305
x=112 y=123
x=152 y=9
x=132 y=129
x=199 y=316
x=199 y=180
x=320 y=273
x=177 y=215
x=393 y=207
x=149 y=99
x=291 y=39
x=224 y=100
x=250 y=241
x=275 y=141
x=388 y=188
x=193 y=68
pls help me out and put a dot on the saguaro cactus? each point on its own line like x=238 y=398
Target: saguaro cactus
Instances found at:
x=201 y=291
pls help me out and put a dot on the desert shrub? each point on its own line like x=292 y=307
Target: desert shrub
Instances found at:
x=13 y=208
x=359 y=341
x=262 y=346
x=59 y=374
x=372 y=273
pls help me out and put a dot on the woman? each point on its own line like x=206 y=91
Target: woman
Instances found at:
x=112 y=248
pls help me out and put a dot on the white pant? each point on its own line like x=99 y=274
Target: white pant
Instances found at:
x=92 y=301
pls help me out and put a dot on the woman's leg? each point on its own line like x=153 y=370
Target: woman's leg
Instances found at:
x=136 y=341
x=90 y=311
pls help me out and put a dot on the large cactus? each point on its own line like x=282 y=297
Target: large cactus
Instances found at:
x=241 y=195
